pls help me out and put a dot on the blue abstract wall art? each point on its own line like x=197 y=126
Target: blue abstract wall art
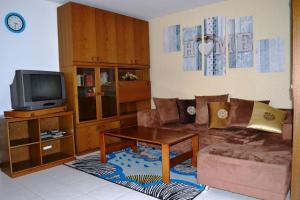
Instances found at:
x=213 y=47
x=192 y=58
x=270 y=55
x=240 y=42
x=172 y=38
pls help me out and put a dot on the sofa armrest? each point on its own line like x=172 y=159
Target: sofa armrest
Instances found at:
x=148 y=118
x=287 y=133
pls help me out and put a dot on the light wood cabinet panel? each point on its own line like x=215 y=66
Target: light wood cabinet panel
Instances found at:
x=125 y=40
x=141 y=42
x=106 y=31
x=82 y=138
x=127 y=91
x=295 y=183
x=87 y=137
x=84 y=33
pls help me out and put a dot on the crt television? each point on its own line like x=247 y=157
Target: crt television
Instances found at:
x=32 y=90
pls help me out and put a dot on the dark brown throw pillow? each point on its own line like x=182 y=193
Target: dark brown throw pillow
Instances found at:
x=167 y=110
x=218 y=114
x=202 y=115
x=187 y=110
x=240 y=112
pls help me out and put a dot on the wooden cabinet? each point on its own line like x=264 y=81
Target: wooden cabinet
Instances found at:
x=125 y=40
x=90 y=35
x=141 y=42
x=84 y=33
x=77 y=34
x=87 y=135
x=97 y=48
x=106 y=31
x=23 y=148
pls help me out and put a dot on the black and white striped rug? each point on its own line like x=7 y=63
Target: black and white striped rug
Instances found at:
x=142 y=172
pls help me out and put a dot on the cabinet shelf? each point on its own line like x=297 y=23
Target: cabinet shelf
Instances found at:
x=83 y=87
x=23 y=165
x=58 y=138
x=55 y=157
x=22 y=142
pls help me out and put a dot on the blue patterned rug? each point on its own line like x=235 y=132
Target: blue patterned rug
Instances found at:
x=142 y=172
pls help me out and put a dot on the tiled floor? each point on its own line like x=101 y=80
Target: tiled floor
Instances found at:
x=65 y=183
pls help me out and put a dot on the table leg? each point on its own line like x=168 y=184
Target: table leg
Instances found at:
x=134 y=147
x=102 y=147
x=165 y=161
x=195 y=149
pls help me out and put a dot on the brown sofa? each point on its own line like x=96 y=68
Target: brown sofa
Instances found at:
x=245 y=161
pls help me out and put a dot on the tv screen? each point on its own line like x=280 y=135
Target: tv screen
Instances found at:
x=32 y=89
x=42 y=87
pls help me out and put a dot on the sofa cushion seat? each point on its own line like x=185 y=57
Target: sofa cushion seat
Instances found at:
x=260 y=170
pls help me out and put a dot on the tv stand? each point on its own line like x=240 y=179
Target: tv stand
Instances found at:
x=33 y=113
x=24 y=149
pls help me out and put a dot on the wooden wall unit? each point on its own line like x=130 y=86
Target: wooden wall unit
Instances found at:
x=22 y=149
x=95 y=45
x=90 y=35
x=295 y=188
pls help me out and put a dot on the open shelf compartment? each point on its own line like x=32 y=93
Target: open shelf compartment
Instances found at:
x=60 y=123
x=55 y=150
x=23 y=132
x=25 y=157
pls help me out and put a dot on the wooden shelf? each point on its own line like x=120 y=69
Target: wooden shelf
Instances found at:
x=55 y=157
x=22 y=142
x=58 y=138
x=23 y=165
x=22 y=148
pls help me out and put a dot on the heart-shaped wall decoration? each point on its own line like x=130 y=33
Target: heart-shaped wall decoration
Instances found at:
x=206 y=48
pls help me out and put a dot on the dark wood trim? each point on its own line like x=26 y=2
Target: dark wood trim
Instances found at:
x=180 y=158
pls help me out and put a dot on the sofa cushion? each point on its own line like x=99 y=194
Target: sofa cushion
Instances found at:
x=186 y=110
x=167 y=110
x=267 y=118
x=240 y=112
x=202 y=115
x=218 y=114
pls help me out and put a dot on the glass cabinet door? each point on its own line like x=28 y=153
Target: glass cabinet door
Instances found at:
x=86 y=91
x=108 y=92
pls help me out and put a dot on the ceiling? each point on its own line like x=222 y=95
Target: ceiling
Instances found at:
x=144 y=9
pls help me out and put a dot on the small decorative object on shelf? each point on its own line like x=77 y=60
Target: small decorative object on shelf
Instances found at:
x=129 y=77
x=80 y=81
x=90 y=93
x=88 y=80
x=50 y=134
x=104 y=78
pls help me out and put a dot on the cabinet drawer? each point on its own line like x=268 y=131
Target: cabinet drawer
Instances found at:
x=134 y=91
x=132 y=121
x=51 y=147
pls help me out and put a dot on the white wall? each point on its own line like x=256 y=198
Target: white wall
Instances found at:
x=271 y=18
x=35 y=48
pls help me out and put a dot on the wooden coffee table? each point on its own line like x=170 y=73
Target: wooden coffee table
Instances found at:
x=163 y=137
